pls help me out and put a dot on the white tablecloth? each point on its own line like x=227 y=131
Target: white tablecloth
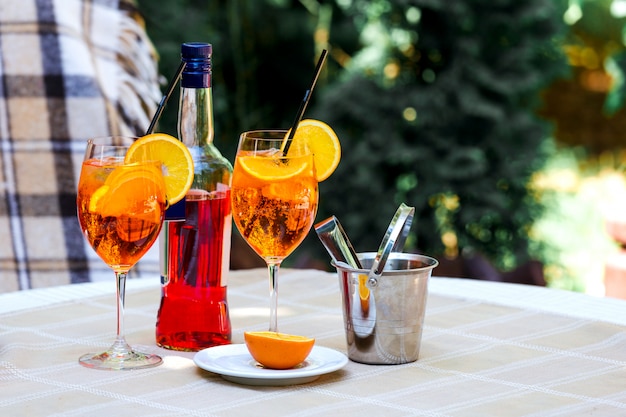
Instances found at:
x=488 y=349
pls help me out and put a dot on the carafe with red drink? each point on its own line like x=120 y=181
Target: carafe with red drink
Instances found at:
x=195 y=241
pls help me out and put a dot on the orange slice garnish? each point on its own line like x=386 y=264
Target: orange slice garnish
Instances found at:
x=322 y=141
x=131 y=190
x=176 y=159
x=273 y=168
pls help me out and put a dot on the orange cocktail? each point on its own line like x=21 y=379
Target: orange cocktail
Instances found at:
x=275 y=201
x=274 y=190
x=120 y=209
x=123 y=189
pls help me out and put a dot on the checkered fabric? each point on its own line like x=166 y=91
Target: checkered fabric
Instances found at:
x=69 y=70
x=488 y=349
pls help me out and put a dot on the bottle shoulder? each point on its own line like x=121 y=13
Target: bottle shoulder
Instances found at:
x=209 y=155
x=212 y=170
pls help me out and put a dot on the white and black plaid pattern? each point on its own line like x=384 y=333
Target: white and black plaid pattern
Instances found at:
x=69 y=70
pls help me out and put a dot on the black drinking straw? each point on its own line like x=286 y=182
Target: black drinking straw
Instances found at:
x=305 y=102
x=166 y=96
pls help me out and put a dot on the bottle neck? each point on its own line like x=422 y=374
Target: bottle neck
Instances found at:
x=195 y=116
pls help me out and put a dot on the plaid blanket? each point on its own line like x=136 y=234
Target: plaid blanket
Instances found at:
x=69 y=70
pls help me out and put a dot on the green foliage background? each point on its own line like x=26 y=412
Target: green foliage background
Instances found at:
x=434 y=102
x=471 y=72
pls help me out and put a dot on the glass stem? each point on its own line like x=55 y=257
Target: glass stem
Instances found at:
x=120 y=347
x=273 y=272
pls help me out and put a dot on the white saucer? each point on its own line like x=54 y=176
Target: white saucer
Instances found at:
x=234 y=363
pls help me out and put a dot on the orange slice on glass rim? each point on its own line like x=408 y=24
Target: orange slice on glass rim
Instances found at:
x=278 y=350
x=312 y=136
x=322 y=141
x=177 y=162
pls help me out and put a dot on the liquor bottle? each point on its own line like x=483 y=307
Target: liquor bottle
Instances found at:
x=195 y=248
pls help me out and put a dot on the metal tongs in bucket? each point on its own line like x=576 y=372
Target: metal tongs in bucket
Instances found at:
x=340 y=249
x=336 y=242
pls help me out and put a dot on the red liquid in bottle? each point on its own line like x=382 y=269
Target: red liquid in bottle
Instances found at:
x=193 y=314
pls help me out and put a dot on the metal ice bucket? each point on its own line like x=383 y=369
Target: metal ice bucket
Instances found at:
x=383 y=316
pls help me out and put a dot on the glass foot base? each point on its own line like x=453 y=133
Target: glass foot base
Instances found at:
x=119 y=362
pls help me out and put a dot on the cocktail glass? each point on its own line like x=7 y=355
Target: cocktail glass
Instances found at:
x=274 y=200
x=120 y=210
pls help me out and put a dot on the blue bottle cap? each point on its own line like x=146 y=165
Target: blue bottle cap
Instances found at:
x=196 y=50
x=197 y=72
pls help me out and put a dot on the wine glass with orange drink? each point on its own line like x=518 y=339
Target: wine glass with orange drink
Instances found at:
x=275 y=192
x=122 y=196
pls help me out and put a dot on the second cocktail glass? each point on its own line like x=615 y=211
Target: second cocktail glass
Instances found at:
x=274 y=200
x=120 y=209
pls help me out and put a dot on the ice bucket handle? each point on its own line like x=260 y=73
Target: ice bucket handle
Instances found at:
x=393 y=241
